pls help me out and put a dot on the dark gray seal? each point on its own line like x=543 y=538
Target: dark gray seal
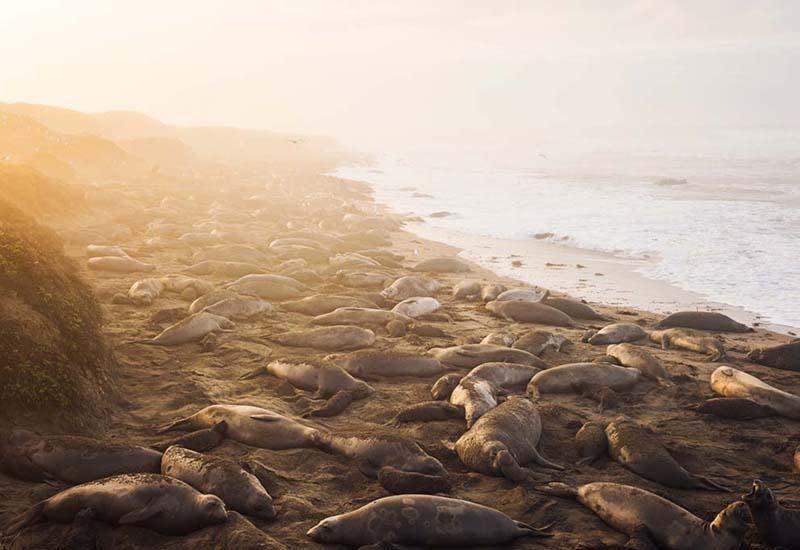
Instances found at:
x=703 y=320
x=370 y=364
x=200 y=440
x=779 y=527
x=734 y=408
x=421 y=520
x=529 y=312
x=427 y=411
x=785 y=356
x=573 y=308
x=153 y=501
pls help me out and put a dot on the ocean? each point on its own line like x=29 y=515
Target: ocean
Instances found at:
x=724 y=224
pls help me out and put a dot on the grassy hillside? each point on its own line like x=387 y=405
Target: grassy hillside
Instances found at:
x=36 y=194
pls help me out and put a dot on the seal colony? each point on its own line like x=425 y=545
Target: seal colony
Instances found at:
x=336 y=380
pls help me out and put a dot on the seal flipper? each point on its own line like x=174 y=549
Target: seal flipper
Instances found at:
x=542 y=461
x=531 y=531
x=150 y=510
x=641 y=539
x=33 y=516
x=180 y=424
x=333 y=406
x=704 y=482
x=368 y=469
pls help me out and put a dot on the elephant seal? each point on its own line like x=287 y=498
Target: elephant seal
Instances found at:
x=411 y=286
x=785 y=356
x=359 y=316
x=320 y=304
x=361 y=279
x=370 y=364
x=444 y=386
x=325 y=380
x=417 y=307
x=145 y=291
x=268 y=287
x=153 y=501
x=633 y=447
x=252 y=426
x=627 y=509
x=538 y=341
x=779 y=527
x=223 y=269
x=734 y=408
x=491 y=291
x=72 y=459
x=118 y=264
x=471 y=355
x=522 y=295
x=573 y=308
x=421 y=520
x=529 y=312
x=503 y=440
x=467 y=289
x=233 y=253
x=616 y=333
x=101 y=250
x=240 y=308
x=427 y=411
x=238 y=488
x=190 y=329
x=730 y=382
x=498 y=339
x=310 y=254
x=442 y=265
x=703 y=320
x=335 y=338
x=582 y=377
x=691 y=340
x=210 y=299
x=200 y=440
x=478 y=391
x=636 y=357
x=591 y=442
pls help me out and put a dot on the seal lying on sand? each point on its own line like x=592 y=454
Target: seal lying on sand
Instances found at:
x=616 y=334
x=444 y=386
x=573 y=308
x=591 y=442
x=240 y=308
x=581 y=377
x=360 y=316
x=411 y=286
x=335 y=338
x=427 y=411
x=499 y=339
x=467 y=289
x=160 y=503
x=503 y=440
x=628 y=509
x=734 y=408
x=686 y=338
x=490 y=292
x=703 y=320
x=118 y=264
x=785 y=356
x=250 y=425
x=145 y=291
x=223 y=269
x=523 y=295
x=100 y=250
x=637 y=357
x=417 y=307
x=72 y=459
x=370 y=364
x=633 y=447
x=730 y=382
x=320 y=304
x=191 y=329
x=421 y=520
x=210 y=299
x=471 y=355
x=529 y=312
x=200 y=440
x=442 y=265
x=538 y=341
x=779 y=527
x=239 y=489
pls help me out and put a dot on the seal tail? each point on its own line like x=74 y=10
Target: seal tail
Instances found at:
x=542 y=461
x=526 y=530
x=33 y=516
x=708 y=483
x=180 y=424
x=561 y=490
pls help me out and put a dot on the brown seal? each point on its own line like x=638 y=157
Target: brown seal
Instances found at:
x=779 y=527
x=703 y=320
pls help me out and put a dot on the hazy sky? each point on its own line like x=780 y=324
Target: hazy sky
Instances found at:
x=373 y=72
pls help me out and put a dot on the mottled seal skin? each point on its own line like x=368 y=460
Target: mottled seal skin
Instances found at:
x=442 y=265
x=785 y=356
x=411 y=286
x=471 y=355
x=490 y=292
x=503 y=440
x=691 y=340
x=72 y=459
x=118 y=264
x=582 y=377
x=573 y=308
x=498 y=339
x=627 y=509
x=240 y=308
x=359 y=316
x=538 y=341
x=444 y=386
x=239 y=489
x=268 y=287
x=320 y=304
x=252 y=426
x=153 y=501
x=617 y=333
x=191 y=329
x=145 y=291
x=734 y=408
x=325 y=380
x=523 y=294
x=591 y=442
x=637 y=357
x=779 y=527
x=417 y=306
x=200 y=440
x=210 y=299
x=427 y=411
x=467 y=289
x=729 y=382
x=703 y=320
x=633 y=447
x=370 y=364
x=421 y=520
x=335 y=338
x=529 y=312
